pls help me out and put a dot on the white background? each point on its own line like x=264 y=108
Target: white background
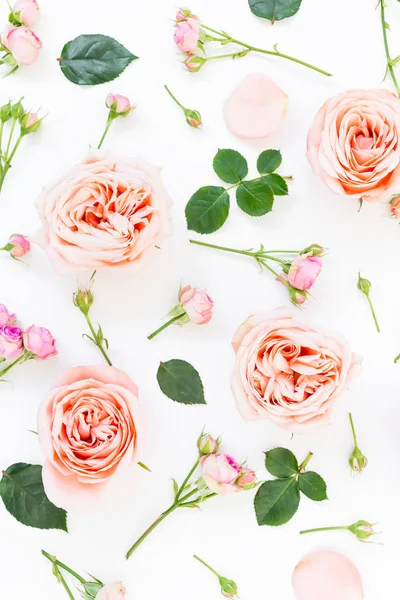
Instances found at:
x=343 y=37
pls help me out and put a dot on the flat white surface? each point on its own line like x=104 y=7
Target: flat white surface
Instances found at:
x=343 y=37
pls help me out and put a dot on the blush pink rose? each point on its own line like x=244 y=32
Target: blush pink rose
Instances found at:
x=21 y=245
x=304 y=271
x=90 y=427
x=219 y=472
x=40 y=342
x=289 y=372
x=354 y=144
x=187 y=34
x=23 y=44
x=5 y=317
x=197 y=304
x=119 y=104
x=10 y=342
x=27 y=12
x=112 y=591
x=105 y=212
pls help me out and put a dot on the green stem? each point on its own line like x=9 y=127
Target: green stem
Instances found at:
x=1 y=141
x=266 y=265
x=10 y=139
x=174 y=98
x=54 y=560
x=7 y=161
x=103 y=137
x=270 y=52
x=223 y=248
x=306 y=461
x=17 y=361
x=192 y=470
x=397 y=359
x=203 y=562
x=353 y=430
x=342 y=528
x=96 y=339
x=373 y=314
x=387 y=51
x=167 y=324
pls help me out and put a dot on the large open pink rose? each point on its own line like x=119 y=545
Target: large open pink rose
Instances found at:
x=289 y=372
x=107 y=211
x=89 y=427
x=354 y=144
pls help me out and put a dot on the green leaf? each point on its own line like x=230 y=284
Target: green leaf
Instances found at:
x=313 y=486
x=280 y=462
x=21 y=489
x=230 y=166
x=208 y=209
x=255 y=197
x=181 y=382
x=277 y=501
x=277 y=184
x=176 y=487
x=268 y=161
x=274 y=10
x=94 y=59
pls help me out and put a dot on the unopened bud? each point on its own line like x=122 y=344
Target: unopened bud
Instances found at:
x=193 y=118
x=357 y=460
x=247 y=479
x=194 y=63
x=83 y=299
x=17 y=110
x=362 y=530
x=229 y=589
x=207 y=444
x=5 y=112
x=30 y=123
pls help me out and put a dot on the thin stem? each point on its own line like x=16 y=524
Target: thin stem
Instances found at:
x=203 y=562
x=54 y=560
x=224 y=248
x=174 y=98
x=167 y=324
x=7 y=161
x=341 y=528
x=1 y=141
x=266 y=265
x=10 y=138
x=17 y=361
x=231 y=55
x=397 y=359
x=103 y=137
x=192 y=470
x=96 y=340
x=270 y=52
x=387 y=51
x=61 y=579
x=306 y=461
x=373 y=314
x=353 y=429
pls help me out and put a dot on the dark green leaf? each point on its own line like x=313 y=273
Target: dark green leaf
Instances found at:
x=274 y=10
x=313 y=486
x=230 y=166
x=21 y=489
x=180 y=382
x=277 y=184
x=93 y=59
x=268 y=161
x=277 y=501
x=208 y=209
x=280 y=462
x=255 y=197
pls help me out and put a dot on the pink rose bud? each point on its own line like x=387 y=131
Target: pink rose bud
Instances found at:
x=20 y=245
x=247 y=479
x=30 y=123
x=22 y=43
x=395 y=207
x=187 y=34
x=193 y=118
x=304 y=271
x=185 y=13
x=112 y=591
x=357 y=460
x=10 y=342
x=207 y=444
x=5 y=317
x=25 y=12
x=40 y=342
x=197 y=304
x=220 y=472
x=194 y=63
x=119 y=104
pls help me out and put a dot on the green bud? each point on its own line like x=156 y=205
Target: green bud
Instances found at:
x=193 y=118
x=5 y=112
x=357 y=460
x=364 y=285
x=362 y=530
x=316 y=250
x=194 y=63
x=298 y=297
x=229 y=588
x=83 y=299
x=17 y=110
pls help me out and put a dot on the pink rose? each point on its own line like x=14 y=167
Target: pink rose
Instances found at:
x=247 y=479
x=219 y=472
x=197 y=304
x=112 y=591
x=90 y=427
x=119 y=104
x=304 y=271
x=21 y=245
x=22 y=43
x=40 y=342
x=354 y=143
x=10 y=342
x=289 y=372
x=105 y=212
x=187 y=34
x=26 y=12
x=5 y=317
x=394 y=206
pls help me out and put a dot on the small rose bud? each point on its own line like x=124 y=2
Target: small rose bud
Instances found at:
x=197 y=304
x=39 y=342
x=22 y=43
x=193 y=118
x=112 y=591
x=187 y=34
x=247 y=479
x=304 y=271
x=207 y=444
x=17 y=110
x=357 y=461
x=229 y=588
x=19 y=245
x=314 y=250
x=5 y=317
x=24 y=12
x=83 y=299
x=194 y=63
x=5 y=112
x=362 y=530
x=364 y=285
x=10 y=342
x=395 y=207
x=30 y=123
x=298 y=297
x=119 y=105
x=185 y=13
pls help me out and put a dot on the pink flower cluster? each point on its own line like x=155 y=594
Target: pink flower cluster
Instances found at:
x=187 y=38
x=16 y=343
x=21 y=44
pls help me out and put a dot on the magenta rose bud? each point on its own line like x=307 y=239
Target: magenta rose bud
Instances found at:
x=197 y=304
x=20 y=245
x=112 y=591
x=247 y=479
x=10 y=342
x=207 y=444
x=187 y=34
x=220 y=472
x=22 y=43
x=120 y=105
x=40 y=342
x=304 y=271
x=25 y=12
x=5 y=317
